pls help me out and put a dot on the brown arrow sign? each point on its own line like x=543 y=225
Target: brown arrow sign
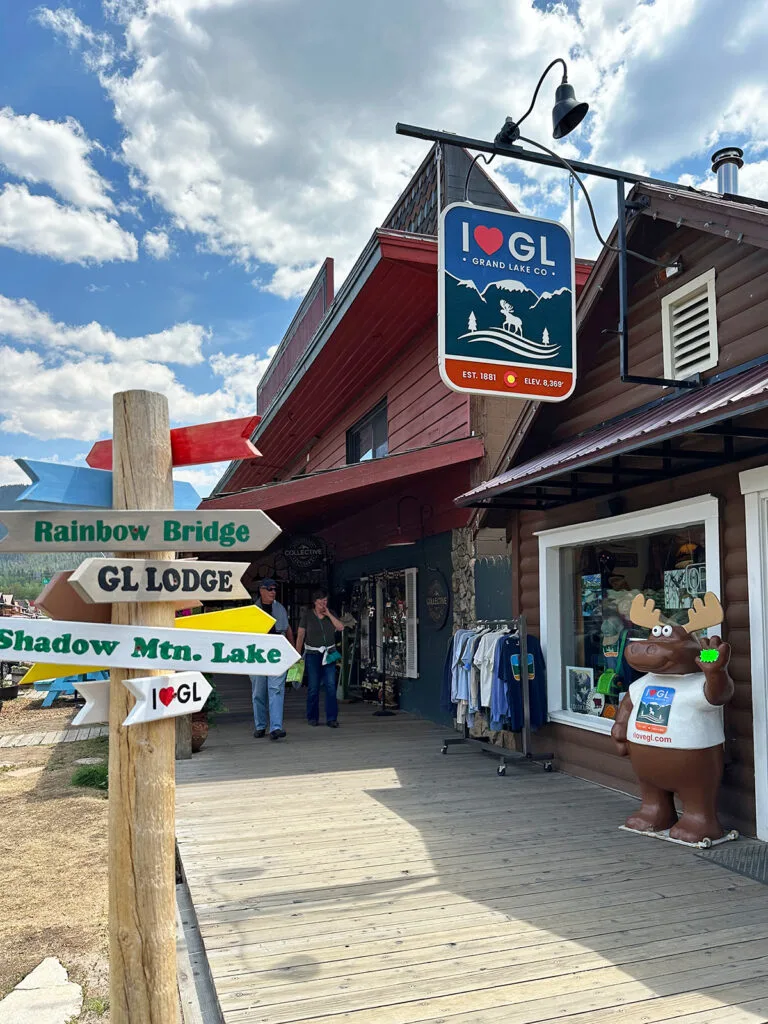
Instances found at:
x=60 y=601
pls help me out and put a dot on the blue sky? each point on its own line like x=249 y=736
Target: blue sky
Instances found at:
x=173 y=171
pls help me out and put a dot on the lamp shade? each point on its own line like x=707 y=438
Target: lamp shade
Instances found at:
x=567 y=111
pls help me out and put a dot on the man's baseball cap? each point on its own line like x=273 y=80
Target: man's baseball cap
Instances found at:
x=267 y=582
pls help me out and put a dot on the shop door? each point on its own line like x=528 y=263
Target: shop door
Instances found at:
x=754 y=487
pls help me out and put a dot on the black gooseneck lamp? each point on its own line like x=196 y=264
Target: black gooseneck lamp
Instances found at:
x=567 y=112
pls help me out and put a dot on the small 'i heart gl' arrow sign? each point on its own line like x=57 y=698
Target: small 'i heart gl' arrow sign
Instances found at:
x=167 y=696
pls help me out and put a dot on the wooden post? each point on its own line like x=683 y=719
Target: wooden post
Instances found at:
x=142 y=896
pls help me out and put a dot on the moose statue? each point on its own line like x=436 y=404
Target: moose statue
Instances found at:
x=670 y=723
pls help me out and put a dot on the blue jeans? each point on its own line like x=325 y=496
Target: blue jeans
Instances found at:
x=320 y=675
x=274 y=687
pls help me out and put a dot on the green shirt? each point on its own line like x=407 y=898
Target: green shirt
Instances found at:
x=317 y=632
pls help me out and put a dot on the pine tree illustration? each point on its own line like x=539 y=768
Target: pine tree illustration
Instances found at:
x=545 y=337
x=472 y=325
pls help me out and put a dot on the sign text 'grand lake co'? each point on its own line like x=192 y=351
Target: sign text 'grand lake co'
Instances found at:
x=506 y=310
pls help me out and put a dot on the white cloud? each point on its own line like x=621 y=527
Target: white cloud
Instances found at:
x=21 y=320
x=272 y=136
x=40 y=225
x=10 y=472
x=202 y=478
x=58 y=380
x=157 y=244
x=55 y=152
x=64 y=22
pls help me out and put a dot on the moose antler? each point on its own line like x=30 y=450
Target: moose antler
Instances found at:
x=703 y=614
x=644 y=613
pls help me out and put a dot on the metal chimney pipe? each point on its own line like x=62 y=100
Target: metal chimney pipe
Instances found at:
x=725 y=164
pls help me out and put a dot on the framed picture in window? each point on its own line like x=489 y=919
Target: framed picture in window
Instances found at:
x=579 y=682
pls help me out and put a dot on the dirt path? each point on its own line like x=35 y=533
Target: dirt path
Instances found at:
x=53 y=850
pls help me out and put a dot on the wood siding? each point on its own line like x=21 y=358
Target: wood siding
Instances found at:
x=421 y=410
x=742 y=315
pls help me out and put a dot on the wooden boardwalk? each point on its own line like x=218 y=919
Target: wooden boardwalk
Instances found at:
x=357 y=875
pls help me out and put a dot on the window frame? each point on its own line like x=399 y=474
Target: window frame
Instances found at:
x=677 y=515
x=360 y=425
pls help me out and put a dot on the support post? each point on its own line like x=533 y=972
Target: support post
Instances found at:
x=142 y=910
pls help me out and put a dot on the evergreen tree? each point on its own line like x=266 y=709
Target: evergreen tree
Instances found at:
x=545 y=337
x=472 y=325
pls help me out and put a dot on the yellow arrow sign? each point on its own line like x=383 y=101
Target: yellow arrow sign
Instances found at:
x=249 y=619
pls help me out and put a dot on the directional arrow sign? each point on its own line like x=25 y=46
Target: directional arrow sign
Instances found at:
x=126 y=579
x=192 y=446
x=168 y=696
x=233 y=620
x=55 y=484
x=96 y=707
x=134 y=530
x=60 y=599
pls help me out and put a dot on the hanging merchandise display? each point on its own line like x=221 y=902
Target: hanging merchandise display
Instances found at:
x=671 y=722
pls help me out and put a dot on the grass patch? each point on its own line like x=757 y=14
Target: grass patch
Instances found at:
x=97 y=1005
x=94 y=775
x=64 y=754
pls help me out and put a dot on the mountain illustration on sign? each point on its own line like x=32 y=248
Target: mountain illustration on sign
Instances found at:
x=508 y=317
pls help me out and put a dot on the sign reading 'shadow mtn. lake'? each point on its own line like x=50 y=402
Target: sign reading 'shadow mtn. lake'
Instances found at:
x=506 y=309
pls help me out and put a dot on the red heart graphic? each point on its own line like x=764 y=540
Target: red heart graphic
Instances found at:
x=166 y=695
x=490 y=240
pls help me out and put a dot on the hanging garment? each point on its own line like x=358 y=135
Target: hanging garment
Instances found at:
x=509 y=671
x=483 y=661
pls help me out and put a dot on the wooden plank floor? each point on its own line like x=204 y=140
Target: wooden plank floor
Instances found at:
x=357 y=875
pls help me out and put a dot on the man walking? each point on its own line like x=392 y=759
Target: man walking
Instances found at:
x=270 y=689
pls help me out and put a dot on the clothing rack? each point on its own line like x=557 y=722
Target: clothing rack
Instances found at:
x=526 y=755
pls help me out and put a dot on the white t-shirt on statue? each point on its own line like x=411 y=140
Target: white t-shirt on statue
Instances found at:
x=672 y=711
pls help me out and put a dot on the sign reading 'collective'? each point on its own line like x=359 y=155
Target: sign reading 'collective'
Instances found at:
x=506 y=308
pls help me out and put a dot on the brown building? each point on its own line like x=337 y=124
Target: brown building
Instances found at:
x=629 y=487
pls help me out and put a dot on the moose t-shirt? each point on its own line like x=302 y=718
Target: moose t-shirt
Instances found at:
x=672 y=711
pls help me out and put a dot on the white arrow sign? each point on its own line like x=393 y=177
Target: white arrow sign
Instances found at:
x=96 y=707
x=179 y=693
x=91 y=644
x=108 y=580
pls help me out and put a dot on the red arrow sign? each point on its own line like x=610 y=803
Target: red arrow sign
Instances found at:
x=192 y=446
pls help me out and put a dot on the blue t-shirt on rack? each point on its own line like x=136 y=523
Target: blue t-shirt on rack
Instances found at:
x=509 y=674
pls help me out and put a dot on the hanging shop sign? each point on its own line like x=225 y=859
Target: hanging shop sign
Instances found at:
x=111 y=580
x=304 y=552
x=438 y=599
x=506 y=304
x=136 y=530
x=76 y=644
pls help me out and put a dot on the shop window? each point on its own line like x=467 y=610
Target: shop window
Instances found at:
x=590 y=574
x=689 y=328
x=367 y=439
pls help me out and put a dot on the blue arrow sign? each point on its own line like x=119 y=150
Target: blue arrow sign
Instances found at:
x=55 y=484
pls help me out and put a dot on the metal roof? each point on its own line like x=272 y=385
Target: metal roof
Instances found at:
x=691 y=413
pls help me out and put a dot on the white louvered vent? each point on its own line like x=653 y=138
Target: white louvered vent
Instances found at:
x=689 y=328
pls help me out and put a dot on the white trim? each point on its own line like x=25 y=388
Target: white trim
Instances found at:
x=592 y=723
x=702 y=509
x=754 y=487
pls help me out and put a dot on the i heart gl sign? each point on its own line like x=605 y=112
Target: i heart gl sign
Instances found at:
x=157 y=697
x=506 y=307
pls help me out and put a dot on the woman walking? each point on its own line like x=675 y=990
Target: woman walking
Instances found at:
x=317 y=636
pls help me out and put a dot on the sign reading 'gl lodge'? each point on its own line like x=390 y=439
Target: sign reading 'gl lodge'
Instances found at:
x=506 y=308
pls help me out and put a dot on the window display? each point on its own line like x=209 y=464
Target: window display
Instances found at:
x=598 y=584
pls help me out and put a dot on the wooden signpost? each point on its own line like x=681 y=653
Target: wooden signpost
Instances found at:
x=190 y=446
x=57 y=484
x=136 y=530
x=124 y=579
x=141 y=636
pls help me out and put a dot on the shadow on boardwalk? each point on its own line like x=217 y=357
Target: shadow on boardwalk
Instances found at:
x=357 y=875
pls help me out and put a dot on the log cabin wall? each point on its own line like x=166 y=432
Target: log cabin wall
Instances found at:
x=742 y=315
